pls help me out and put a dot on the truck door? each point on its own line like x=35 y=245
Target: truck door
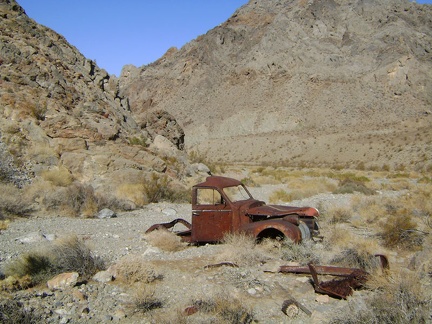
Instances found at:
x=211 y=215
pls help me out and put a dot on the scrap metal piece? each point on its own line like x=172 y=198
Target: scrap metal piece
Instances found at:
x=339 y=288
x=217 y=265
x=169 y=225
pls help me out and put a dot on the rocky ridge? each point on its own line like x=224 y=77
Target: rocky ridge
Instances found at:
x=59 y=110
x=300 y=82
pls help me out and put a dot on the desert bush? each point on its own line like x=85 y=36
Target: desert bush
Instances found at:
x=226 y=308
x=75 y=200
x=133 y=192
x=58 y=176
x=13 y=311
x=399 y=298
x=241 y=249
x=338 y=215
x=303 y=252
x=350 y=186
x=159 y=188
x=4 y=224
x=67 y=254
x=144 y=299
x=133 y=269
x=356 y=258
x=14 y=202
x=400 y=231
x=165 y=240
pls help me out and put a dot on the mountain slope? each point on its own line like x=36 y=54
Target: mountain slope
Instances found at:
x=315 y=82
x=63 y=119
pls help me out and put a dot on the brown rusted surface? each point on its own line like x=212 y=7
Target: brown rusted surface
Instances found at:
x=339 y=288
x=322 y=270
x=223 y=205
x=169 y=225
x=218 y=265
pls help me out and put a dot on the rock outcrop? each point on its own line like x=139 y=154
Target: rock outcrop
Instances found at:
x=60 y=110
x=301 y=81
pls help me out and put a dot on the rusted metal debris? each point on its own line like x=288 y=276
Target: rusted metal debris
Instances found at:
x=354 y=278
x=218 y=265
x=169 y=225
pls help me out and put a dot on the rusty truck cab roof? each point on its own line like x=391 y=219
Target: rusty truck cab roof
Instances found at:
x=219 y=182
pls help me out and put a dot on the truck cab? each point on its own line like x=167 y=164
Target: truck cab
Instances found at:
x=223 y=205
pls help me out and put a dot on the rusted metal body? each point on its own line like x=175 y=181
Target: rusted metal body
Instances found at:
x=223 y=205
x=353 y=278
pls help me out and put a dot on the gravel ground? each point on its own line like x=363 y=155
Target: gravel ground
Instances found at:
x=185 y=277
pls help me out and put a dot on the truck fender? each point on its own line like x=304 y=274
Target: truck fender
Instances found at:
x=273 y=228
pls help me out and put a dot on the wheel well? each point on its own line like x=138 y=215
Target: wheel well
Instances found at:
x=270 y=233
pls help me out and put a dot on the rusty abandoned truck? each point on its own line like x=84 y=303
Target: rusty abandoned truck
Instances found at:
x=223 y=205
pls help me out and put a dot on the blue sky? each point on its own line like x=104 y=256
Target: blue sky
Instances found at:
x=116 y=33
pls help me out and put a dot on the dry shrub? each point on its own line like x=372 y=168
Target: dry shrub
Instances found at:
x=352 y=186
x=75 y=200
x=4 y=224
x=400 y=231
x=399 y=297
x=302 y=253
x=66 y=255
x=338 y=235
x=59 y=176
x=356 y=258
x=370 y=209
x=13 y=311
x=132 y=269
x=241 y=249
x=160 y=188
x=144 y=299
x=338 y=215
x=227 y=309
x=302 y=188
x=14 y=202
x=133 y=192
x=165 y=240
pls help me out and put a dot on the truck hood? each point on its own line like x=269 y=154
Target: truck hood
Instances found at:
x=277 y=210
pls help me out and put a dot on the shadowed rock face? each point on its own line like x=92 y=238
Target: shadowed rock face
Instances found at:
x=59 y=108
x=320 y=82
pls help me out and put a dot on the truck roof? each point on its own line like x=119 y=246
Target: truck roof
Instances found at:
x=219 y=182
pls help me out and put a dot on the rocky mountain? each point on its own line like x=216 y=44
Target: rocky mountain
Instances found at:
x=301 y=82
x=63 y=118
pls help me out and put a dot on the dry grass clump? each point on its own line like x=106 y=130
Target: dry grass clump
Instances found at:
x=241 y=249
x=302 y=253
x=399 y=297
x=302 y=188
x=371 y=209
x=59 y=176
x=66 y=255
x=144 y=299
x=4 y=224
x=14 y=202
x=76 y=199
x=338 y=214
x=13 y=311
x=133 y=192
x=225 y=309
x=165 y=240
x=160 y=188
x=356 y=258
x=132 y=269
x=351 y=186
x=400 y=231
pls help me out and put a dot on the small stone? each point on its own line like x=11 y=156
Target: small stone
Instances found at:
x=63 y=281
x=106 y=213
x=252 y=291
x=103 y=276
x=322 y=299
